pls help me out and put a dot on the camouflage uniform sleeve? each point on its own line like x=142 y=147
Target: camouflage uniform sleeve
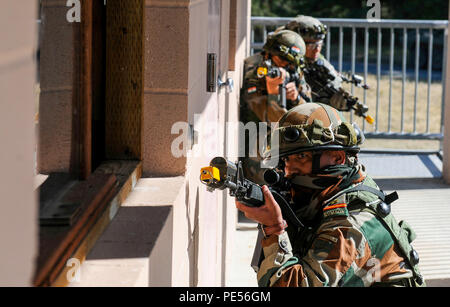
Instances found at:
x=337 y=78
x=339 y=99
x=277 y=256
x=336 y=246
x=264 y=106
x=340 y=255
x=305 y=89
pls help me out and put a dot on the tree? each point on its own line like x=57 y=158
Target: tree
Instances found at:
x=390 y=9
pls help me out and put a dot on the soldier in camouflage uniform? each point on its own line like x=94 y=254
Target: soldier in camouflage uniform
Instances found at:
x=349 y=237
x=260 y=97
x=313 y=33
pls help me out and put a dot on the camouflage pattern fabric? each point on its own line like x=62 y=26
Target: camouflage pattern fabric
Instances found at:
x=349 y=246
x=311 y=28
x=337 y=82
x=337 y=100
x=257 y=106
x=308 y=27
x=254 y=95
x=317 y=125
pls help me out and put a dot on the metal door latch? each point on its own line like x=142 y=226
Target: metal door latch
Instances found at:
x=229 y=84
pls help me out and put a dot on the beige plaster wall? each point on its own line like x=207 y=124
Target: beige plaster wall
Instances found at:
x=240 y=38
x=200 y=220
x=174 y=81
x=206 y=116
x=213 y=215
x=181 y=33
x=18 y=229
x=166 y=32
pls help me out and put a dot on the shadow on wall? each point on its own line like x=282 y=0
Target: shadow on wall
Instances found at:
x=193 y=236
x=131 y=234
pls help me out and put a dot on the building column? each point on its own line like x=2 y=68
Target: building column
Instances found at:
x=18 y=227
x=446 y=114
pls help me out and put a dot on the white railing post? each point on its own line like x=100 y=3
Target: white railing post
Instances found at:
x=403 y=26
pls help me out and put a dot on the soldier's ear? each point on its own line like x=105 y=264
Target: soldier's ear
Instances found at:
x=337 y=157
x=340 y=157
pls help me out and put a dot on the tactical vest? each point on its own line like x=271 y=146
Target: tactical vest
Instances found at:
x=366 y=197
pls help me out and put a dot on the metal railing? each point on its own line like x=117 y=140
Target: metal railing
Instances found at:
x=428 y=30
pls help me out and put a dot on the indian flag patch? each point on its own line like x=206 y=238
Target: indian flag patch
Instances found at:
x=251 y=90
x=335 y=210
x=295 y=49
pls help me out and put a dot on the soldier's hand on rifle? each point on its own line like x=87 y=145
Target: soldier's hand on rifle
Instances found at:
x=272 y=84
x=339 y=101
x=268 y=214
x=291 y=91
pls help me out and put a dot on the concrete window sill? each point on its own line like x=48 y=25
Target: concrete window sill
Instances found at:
x=97 y=200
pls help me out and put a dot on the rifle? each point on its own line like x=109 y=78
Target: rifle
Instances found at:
x=355 y=80
x=319 y=77
x=267 y=69
x=222 y=174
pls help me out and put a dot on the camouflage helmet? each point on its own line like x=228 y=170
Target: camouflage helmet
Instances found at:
x=286 y=44
x=312 y=127
x=308 y=27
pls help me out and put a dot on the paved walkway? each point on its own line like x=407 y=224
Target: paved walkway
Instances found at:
x=423 y=202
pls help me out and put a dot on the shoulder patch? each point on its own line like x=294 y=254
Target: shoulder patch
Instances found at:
x=335 y=210
x=251 y=90
x=336 y=207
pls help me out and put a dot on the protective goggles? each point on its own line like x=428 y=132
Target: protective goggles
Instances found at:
x=314 y=45
x=317 y=31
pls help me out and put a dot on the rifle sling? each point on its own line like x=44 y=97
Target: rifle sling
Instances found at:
x=286 y=210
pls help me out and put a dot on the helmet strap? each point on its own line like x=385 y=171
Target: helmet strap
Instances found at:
x=316 y=161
